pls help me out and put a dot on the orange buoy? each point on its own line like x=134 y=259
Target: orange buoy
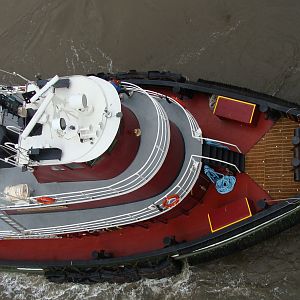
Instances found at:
x=45 y=200
x=170 y=201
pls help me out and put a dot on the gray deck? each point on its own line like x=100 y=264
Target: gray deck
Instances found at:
x=90 y=219
x=149 y=127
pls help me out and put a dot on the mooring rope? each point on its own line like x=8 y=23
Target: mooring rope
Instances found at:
x=223 y=183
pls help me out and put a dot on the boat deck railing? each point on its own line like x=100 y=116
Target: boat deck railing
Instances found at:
x=194 y=127
x=10 y=159
x=181 y=189
x=222 y=142
x=182 y=186
x=14 y=129
x=142 y=175
x=195 y=130
x=221 y=161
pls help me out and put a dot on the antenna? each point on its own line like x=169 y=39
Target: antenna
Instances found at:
x=16 y=74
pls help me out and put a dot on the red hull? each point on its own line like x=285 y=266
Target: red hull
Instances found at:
x=187 y=222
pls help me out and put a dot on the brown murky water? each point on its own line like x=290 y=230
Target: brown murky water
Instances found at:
x=255 y=44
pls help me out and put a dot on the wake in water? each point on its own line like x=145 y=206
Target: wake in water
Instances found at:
x=21 y=286
x=214 y=280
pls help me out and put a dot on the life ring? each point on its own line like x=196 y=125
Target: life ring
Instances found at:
x=45 y=200
x=170 y=201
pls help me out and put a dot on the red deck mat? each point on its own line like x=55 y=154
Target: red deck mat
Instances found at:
x=234 y=109
x=229 y=214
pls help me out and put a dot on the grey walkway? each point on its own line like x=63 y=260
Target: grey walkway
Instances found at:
x=91 y=219
x=151 y=154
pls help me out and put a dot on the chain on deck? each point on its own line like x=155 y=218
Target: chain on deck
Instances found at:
x=269 y=161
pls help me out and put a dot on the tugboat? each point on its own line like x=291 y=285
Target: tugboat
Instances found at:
x=117 y=177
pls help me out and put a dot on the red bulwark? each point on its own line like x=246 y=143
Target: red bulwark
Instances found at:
x=234 y=109
x=229 y=214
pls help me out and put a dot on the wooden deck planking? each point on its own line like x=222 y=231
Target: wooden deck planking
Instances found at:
x=269 y=161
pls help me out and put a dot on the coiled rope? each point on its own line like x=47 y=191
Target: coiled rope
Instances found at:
x=223 y=183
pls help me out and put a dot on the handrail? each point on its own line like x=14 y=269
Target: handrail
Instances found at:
x=154 y=161
x=195 y=129
x=93 y=226
x=8 y=160
x=222 y=142
x=100 y=193
x=222 y=161
x=10 y=146
x=14 y=129
x=142 y=173
x=193 y=120
x=13 y=158
x=182 y=189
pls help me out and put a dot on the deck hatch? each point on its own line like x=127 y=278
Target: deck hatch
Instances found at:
x=236 y=110
x=229 y=214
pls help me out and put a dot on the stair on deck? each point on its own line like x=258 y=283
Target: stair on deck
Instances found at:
x=226 y=155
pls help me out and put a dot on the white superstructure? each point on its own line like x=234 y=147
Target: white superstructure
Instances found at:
x=81 y=120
